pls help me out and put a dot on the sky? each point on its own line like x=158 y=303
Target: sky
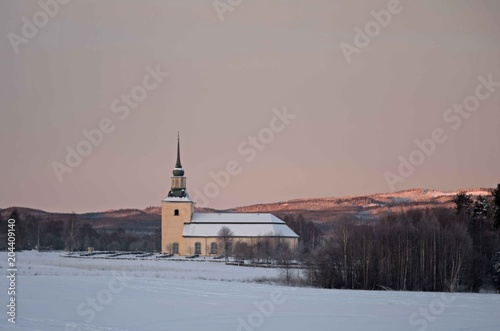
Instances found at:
x=274 y=100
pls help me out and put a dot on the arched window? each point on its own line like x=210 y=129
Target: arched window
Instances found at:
x=175 y=248
x=176 y=212
x=213 y=248
x=197 y=248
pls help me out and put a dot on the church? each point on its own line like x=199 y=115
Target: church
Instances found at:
x=185 y=232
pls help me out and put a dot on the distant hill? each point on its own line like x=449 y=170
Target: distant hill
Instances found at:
x=146 y=220
x=321 y=210
x=129 y=219
x=368 y=207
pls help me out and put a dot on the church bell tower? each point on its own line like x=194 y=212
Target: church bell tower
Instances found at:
x=176 y=209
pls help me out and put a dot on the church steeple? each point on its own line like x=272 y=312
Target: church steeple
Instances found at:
x=178 y=187
x=178 y=171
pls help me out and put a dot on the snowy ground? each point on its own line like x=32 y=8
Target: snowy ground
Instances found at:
x=58 y=293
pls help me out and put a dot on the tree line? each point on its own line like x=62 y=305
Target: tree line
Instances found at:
x=417 y=250
x=439 y=249
x=272 y=249
x=72 y=235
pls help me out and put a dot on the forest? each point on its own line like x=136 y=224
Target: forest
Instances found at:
x=417 y=250
x=439 y=249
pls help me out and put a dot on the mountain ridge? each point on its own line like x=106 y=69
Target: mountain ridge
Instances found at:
x=322 y=210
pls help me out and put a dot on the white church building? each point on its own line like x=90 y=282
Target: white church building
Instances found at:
x=184 y=232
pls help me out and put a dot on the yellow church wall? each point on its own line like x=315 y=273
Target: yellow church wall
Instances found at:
x=172 y=225
x=205 y=242
x=189 y=243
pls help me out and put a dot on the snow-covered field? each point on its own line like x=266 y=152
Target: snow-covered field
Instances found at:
x=60 y=293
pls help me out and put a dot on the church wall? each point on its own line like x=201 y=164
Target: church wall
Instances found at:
x=189 y=244
x=172 y=225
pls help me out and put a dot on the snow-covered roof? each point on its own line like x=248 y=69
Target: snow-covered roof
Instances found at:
x=241 y=224
x=176 y=199
x=235 y=218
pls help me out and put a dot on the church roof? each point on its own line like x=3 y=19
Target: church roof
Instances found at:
x=178 y=199
x=241 y=224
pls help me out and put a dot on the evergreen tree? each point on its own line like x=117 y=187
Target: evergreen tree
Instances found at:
x=463 y=203
x=496 y=201
x=496 y=272
x=481 y=208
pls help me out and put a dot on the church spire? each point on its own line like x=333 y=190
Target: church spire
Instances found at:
x=178 y=188
x=178 y=171
x=178 y=164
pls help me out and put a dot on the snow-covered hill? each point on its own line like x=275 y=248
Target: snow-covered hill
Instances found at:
x=366 y=207
x=362 y=207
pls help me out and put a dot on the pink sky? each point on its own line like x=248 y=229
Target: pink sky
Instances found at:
x=353 y=121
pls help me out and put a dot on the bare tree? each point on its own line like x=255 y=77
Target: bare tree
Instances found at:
x=264 y=249
x=39 y=224
x=285 y=256
x=169 y=248
x=225 y=239
x=70 y=232
x=343 y=232
x=457 y=244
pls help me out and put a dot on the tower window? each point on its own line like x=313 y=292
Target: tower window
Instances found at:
x=175 y=248
x=176 y=212
x=213 y=248
x=197 y=248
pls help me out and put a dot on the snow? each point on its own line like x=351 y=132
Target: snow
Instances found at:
x=373 y=205
x=176 y=199
x=474 y=193
x=241 y=224
x=53 y=294
x=239 y=230
x=235 y=218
